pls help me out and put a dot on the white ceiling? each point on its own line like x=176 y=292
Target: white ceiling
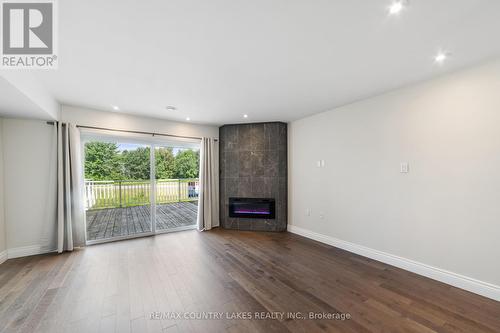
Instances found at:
x=272 y=59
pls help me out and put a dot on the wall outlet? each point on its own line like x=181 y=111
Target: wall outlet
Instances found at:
x=322 y=163
x=321 y=215
x=404 y=167
x=308 y=212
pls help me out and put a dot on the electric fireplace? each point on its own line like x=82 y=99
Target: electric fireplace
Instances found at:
x=256 y=208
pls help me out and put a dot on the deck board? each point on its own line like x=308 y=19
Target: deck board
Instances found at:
x=116 y=222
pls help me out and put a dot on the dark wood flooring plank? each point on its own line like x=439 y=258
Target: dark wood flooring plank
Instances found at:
x=115 y=286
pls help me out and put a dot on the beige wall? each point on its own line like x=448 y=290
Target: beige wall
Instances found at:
x=446 y=211
x=3 y=245
x=113 y=120
x=29 y=185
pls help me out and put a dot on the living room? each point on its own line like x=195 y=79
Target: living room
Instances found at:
x=262 y=166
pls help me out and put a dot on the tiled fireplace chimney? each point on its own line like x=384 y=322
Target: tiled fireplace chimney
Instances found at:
x=253 y=165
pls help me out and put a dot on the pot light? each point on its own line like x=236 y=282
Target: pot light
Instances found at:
x=440 y=57
x=170 y=108
x=188 y=119
x=396 y=7
x=245 y=116
x=116 y=108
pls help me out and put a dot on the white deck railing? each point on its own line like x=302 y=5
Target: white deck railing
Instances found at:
x=121 y=193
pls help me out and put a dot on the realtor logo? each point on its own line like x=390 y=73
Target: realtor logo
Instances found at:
x=28 y=34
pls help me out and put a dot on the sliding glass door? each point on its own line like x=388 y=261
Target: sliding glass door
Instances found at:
x=118 y=189
x=138 y=187
x=176 y=187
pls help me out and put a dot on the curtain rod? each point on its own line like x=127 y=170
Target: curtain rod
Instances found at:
x=134 y=132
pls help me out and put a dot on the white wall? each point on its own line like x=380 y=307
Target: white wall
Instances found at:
x=3 y=244
x=445 y=212
x=30 y=186
x=114 y=120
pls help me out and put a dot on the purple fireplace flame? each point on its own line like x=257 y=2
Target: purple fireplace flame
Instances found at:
x=252 y=208
x=255 y=211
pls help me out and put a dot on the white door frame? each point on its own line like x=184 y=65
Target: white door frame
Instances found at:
x=152 y=159
x=152 y=142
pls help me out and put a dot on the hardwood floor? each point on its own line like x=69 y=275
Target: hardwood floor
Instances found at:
x=115 y=287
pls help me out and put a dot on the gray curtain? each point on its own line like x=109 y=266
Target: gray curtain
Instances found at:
x=70 y=209
x=208 y=208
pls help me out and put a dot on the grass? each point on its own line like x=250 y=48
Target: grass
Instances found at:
x=114 y=194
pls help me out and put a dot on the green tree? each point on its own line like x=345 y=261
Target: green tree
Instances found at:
x=101 y=161
x=165 y=163
x=187 y=164
x=136 y=163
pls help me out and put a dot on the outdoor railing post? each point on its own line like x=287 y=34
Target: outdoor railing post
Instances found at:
x=179 y=189
x=120 y=191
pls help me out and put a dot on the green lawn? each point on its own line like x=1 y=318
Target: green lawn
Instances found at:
x=113 y=194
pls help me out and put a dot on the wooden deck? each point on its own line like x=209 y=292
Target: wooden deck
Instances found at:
x=116 y=222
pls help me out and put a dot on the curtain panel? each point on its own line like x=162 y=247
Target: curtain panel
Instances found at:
x=208 y=207
x=70 y=209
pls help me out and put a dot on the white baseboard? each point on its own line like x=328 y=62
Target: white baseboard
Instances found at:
x=25 y=251
x=3 y=256
x=460 y=281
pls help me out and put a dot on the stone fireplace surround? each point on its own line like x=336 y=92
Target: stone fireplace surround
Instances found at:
x=253 y=164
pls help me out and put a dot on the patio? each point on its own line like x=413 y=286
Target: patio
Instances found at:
x=116 y=222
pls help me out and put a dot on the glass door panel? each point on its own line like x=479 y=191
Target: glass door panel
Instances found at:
x=177 y=187
x=118 y=189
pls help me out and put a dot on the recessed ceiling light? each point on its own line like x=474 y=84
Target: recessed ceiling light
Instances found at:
x=170 y=108
x=188 y=119
x=116 y=108
x=396 y=7
x=440 y=57
x=245 y=116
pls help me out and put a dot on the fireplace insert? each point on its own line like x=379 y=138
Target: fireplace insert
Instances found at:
x=256 y=208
